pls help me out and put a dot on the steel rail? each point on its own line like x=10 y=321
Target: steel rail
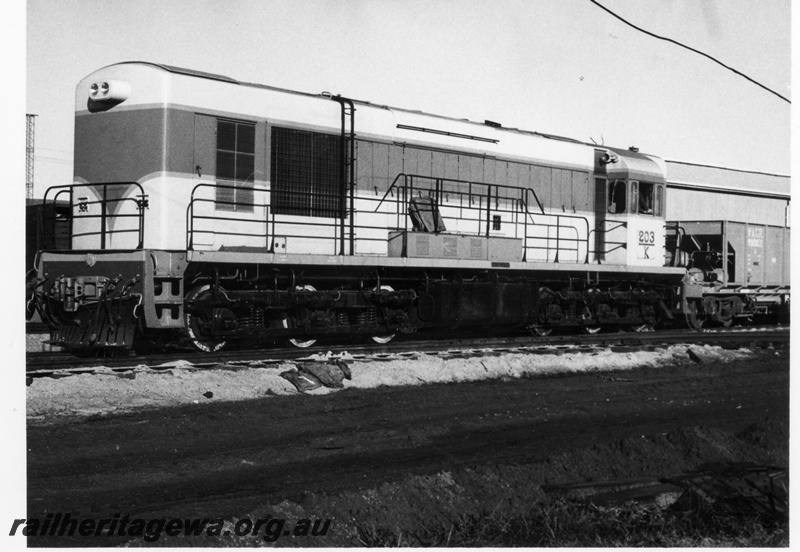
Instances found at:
x=48 y=362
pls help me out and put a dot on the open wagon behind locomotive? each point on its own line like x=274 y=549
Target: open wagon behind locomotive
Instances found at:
x=212 y=211
x=46 y=228
x=736 y=270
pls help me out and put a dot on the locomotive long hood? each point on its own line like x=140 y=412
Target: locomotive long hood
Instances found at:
x=635 y=166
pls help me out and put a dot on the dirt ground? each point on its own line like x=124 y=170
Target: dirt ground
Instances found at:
x=108 y=391
x=399 y=457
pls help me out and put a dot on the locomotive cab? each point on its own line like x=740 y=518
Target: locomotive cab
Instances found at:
x=629 y=209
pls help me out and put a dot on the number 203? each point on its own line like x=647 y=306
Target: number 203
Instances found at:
x=647 y=237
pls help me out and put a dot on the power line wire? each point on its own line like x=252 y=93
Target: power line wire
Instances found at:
x=599 y=5
x=52 y=159
x=53 y=149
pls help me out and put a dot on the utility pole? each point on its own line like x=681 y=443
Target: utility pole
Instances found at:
x=29 y=156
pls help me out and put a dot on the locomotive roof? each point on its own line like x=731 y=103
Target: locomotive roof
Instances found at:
x=223 y=78
x=404 y=125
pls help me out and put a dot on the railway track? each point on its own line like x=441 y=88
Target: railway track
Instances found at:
x=61 y=363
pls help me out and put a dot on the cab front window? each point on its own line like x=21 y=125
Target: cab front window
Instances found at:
x=616 y=196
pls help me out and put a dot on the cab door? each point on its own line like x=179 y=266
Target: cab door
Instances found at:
x=646 y=232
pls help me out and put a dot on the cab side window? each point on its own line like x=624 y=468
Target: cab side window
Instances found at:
x=658 y=205
x=616 y=196
x=646 y=195
x=634 y=197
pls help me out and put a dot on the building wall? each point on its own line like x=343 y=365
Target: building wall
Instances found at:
x=702 y=192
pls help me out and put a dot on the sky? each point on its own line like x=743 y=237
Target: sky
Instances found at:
x=562 y=67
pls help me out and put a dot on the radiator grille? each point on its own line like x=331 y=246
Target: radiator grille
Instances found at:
x=306 y=173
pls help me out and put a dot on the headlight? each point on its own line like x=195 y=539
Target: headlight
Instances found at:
x=110 y=91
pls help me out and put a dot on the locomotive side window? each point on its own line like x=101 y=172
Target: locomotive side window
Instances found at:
x=634 y=197
x=646 y=195
x=236 y=149
x=616 y=196
x=305 y=173
x=658 y=204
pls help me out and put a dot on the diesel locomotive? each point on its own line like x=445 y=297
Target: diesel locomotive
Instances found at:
x=208 y=211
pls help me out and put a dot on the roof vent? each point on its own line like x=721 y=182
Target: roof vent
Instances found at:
x=634 y=149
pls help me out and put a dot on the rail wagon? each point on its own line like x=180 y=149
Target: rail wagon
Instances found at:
x=735 y=270
x=46 y=228
x=209 y=211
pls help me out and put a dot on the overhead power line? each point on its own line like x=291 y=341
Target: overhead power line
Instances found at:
x=715 y=60
x=53 y=159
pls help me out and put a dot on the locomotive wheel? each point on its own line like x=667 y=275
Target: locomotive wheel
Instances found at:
x=727 y=312
x=300 y=343
x=549 y=312
x=727 y=320
x=383 y=339
x=194 y=324
x=694 y=320
x=590 y=329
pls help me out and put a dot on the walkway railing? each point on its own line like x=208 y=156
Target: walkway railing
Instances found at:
x=465 y=207
x=117 y=200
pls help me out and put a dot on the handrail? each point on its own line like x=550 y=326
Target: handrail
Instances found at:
x=492 y=193
x=539 y=203
x=141 y=201
x=391 y=187
x=680 y=233
x=559 y=216
x=190 y=216
x=347 y=155
x=471 y=205
x=617 y=245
